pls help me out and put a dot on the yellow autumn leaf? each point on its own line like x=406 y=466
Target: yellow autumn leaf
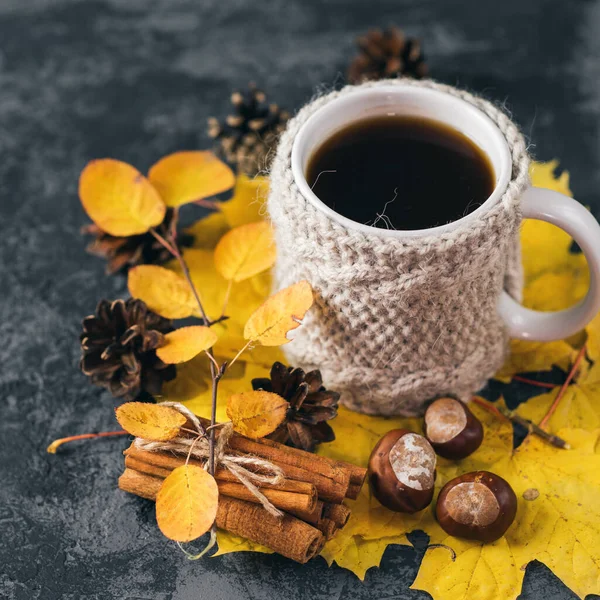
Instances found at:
x=164 y=291
x=355 y=436
x=184 y=177
x=245 y=296
x=186 y=504
x=183 y=344
x=256 y=414
x=245 y=251
x=150 y=421
x=279 y=314
x=579 y=407
x=118 y=198
x=208 y=231
x=248 y=203
x=560 y=527
x=593 y=339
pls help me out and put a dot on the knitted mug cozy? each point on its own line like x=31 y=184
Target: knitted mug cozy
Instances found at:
x=398 y=321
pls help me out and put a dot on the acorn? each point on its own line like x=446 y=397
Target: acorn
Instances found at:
x=452 y=429
x=402 y=471
x=477 y=506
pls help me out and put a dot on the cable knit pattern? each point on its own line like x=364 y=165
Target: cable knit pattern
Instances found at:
x=398 y=321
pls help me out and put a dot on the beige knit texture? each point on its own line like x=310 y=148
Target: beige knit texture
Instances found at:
x=398 y=321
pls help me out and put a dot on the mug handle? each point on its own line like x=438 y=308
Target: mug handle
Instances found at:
x=526 y=324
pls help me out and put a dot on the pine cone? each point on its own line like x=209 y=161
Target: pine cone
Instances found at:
x=386 y=53
x=311 y=405
x=247 y=138
x=122 y=253
x=118 y=345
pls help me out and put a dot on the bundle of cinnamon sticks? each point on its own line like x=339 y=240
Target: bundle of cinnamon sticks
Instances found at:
x=311 y=496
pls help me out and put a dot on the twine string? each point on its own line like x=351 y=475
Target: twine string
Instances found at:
x=242 y=467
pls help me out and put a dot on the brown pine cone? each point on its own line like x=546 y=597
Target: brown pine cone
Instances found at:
x=118 y=346
x=311 y=405
x=122 y=253
x=384 y=54
x=247 y=138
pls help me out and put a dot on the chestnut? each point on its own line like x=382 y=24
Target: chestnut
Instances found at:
x=452 y=429
x=402 y=471
x=476 y=506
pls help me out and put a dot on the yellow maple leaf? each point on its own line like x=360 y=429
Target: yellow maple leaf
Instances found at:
x=579 y=407
x=356 y=435
x=560 y=527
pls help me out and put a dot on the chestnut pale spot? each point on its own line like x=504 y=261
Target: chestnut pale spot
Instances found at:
x=445 y=419
x=413 y=461
x=472 y=503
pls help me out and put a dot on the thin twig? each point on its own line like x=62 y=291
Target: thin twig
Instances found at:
x=83 y=436
x=240 y=353
x=564 y=387
x=212 y=358
x=510 y=415
x=210 y=204
x=541 y=384
x=215 y=372
x=162 y=240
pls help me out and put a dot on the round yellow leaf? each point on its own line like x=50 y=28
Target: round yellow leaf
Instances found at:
x=245 y=251
x=164 y=291
x=186 y=504
x=248 y=202
x=256 y=414
x=184 y=177
x=282 y=312
x=118 y=198
x=185 y=343
x=150 y=421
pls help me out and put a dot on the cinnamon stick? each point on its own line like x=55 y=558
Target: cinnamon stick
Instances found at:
x=340 y=474
x=287 y=535
x=353 y=491
x=327 y=527
x=170 y=461
x=338 y=513
x=297 y=479
x=288 y=501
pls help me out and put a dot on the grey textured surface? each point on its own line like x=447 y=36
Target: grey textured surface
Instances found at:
x=135 y=80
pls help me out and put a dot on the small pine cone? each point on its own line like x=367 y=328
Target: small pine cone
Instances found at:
x=384 y=54
x=311 y=405
x=118 y=346
x=122 y=253
x=247 y=138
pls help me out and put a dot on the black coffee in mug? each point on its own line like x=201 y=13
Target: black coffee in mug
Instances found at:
x=400 y=172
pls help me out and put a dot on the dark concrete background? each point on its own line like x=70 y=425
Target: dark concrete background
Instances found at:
x=134 y=80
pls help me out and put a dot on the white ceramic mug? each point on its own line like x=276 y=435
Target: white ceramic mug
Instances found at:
x=545 y=205
x=403 y=316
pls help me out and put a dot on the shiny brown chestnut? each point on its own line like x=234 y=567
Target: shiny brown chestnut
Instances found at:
x=476 y=506
x=402 y=471
x=452 y=429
